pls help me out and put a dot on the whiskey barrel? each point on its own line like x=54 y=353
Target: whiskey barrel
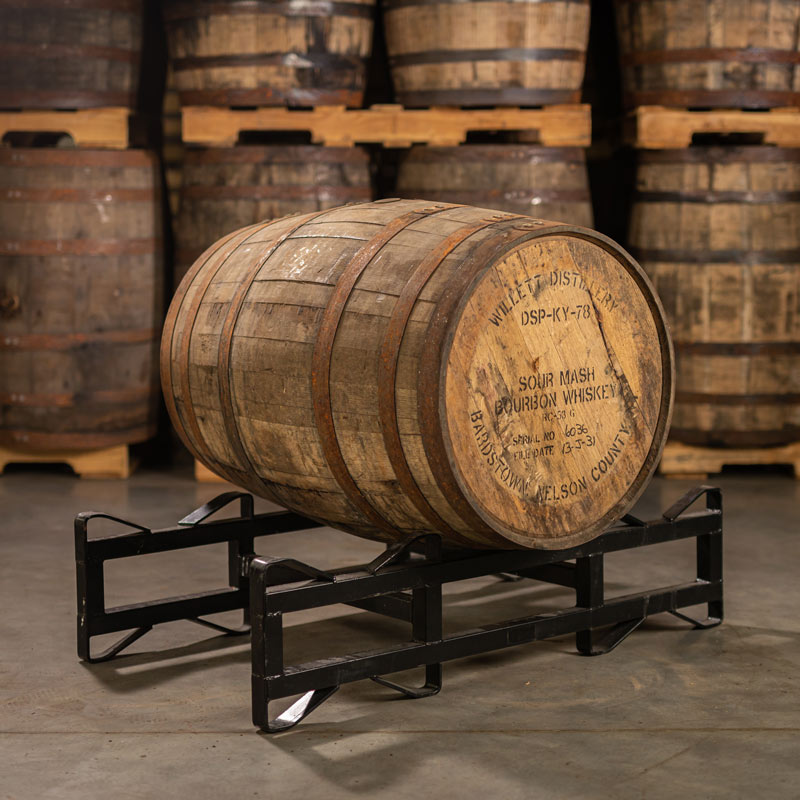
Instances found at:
x=474 y=53
x=80 y=297
x=67 y=54
x=226 y=188
x=550 y=182
x=718 y=231
x=715 y=53
x=263 y=52
x=398 y=367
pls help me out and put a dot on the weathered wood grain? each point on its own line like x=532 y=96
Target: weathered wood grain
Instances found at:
x=63 y=54
x=254 y=53
x=527 y=52
x=80 y=297
x=226 y=188
x=720 y=53
x=550 y=182
x=718 y=230
x=401 y=366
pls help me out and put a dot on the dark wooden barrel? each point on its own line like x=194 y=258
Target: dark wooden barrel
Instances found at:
x=718 y=231
x=550 y=182
x=399 y=366
x=726 y=53
x=69 y=53
x=262 y=52
x=226 y=188
x=81 y=297
x=472 y=53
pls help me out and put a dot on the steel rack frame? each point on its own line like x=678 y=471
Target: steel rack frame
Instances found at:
x=404 y=582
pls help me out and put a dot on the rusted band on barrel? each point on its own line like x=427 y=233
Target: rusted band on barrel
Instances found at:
x=79 y=247
x=503 y=153
x=278 y=192
x=486 y=54
x=54 y=157
x=477 y=197
x=712 y=155
x=712 y=98
x=277 y=154
x=331 y=61
x=55 y=6
x=387 y=372
x=41 y=441
x=226 y=346
x=194 y=442
x=323 y=352
x=749 y=55
x=68 y=341
x=715 y=399
x=391 y=5
x=72 y=399
x=272 y=95
x=717 y=197
x=738 y=348
x=93 y=196
x=285 y=8
x=676 y=256
x=66 y=99
x=35 y=50
x=488 y=97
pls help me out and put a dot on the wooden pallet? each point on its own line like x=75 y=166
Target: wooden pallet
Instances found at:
x=389 y=125
x=91 y=127
x=659 y=128
x=696 y=463
x=108 y=462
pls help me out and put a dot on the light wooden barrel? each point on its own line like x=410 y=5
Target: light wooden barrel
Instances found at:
x=470 y=52
x=550 y=182
x=67 y=54
x=226 y=188
x=263 y=52
x=729 y=53
x=81 y=299
x=718 y=231
x=398 y=367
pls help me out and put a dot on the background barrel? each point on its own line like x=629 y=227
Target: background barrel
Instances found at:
x=399 y=366
x=258 y=53
x=487 y=53
x=718 y=230
x=62 y=54
x=226 y=188
x=548 y=182
x=80 y=297
x=726 y=53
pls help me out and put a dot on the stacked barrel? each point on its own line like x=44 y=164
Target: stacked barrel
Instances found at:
x=242 y=53
x=81 y=265
x=717 y=225
x=492 y=54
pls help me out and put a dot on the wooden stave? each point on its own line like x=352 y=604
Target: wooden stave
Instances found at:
x=415 y=86
x=722 y=418
x=107 y=365
x=540 y=190
x=203 y=203
x=325 y=77
x=497 y=228
x=72 y=82
x=670 y=88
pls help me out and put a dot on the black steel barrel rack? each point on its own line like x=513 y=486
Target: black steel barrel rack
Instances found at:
x=404 y=582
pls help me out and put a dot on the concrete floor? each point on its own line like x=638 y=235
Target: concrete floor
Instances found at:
x=672 y=713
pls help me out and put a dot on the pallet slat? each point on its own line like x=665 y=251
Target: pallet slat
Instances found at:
x=659 y=128
x=687 y=462
x=94 y=127
x=109 y=462
x=390 y=125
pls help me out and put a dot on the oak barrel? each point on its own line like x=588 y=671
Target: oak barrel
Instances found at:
x=400 y=366
x=718 y=231
x=67 y=54
x=81 y=299
x=550 y=182
x=263 y=52
x=728 y=53
x=228 y=187
x=474 y=53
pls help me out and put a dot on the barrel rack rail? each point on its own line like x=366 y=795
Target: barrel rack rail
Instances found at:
x=404 y=582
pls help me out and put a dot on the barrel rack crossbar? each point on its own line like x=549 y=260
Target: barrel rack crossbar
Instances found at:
x=404 y=582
